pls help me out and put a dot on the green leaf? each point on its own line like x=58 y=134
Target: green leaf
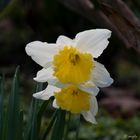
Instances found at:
x=42 y=108
x=33 y=124
x=34 y=132
x=27 y=130
x=58 y=129
x=1 y=108
x=46 y=133
x=41 y=111
x=67 y=125
x=77 y=127
x=13 y=109
x=20 y=126
x=35 y=120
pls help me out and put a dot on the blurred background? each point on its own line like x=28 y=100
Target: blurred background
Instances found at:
x=23 y=21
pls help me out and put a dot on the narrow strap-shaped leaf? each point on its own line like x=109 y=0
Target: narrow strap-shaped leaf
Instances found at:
x=67 y=126
x=48 y=129
x=35 y=120
x=41 y=111
x=20 y=126
x=27 y=130
x=58 y=129
x=34 y=132
x=77 y=127
x=33 y=126
x=13 y=108
x=1 y=108
x=42 y=108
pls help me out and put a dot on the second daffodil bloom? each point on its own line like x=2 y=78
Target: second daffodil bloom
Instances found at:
x=71 y=61
x=72 y=99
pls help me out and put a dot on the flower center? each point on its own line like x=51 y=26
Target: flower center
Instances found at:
x=74 y=58
x=72 y=66
x=73 y=99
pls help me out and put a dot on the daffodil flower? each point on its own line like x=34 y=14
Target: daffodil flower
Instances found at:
x=71 y=61
x=71 y=99
x=72 y=74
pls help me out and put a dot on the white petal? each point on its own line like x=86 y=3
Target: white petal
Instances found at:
x=41 y=52
x=89 y=87
x=47 y=93
x=90 y=115
x=100 y=76
x=63 y=40
x=93 y=41
x=55 y=82
x=94 y=105
x=46 y=75
x=55 y=104
x=43 y=75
